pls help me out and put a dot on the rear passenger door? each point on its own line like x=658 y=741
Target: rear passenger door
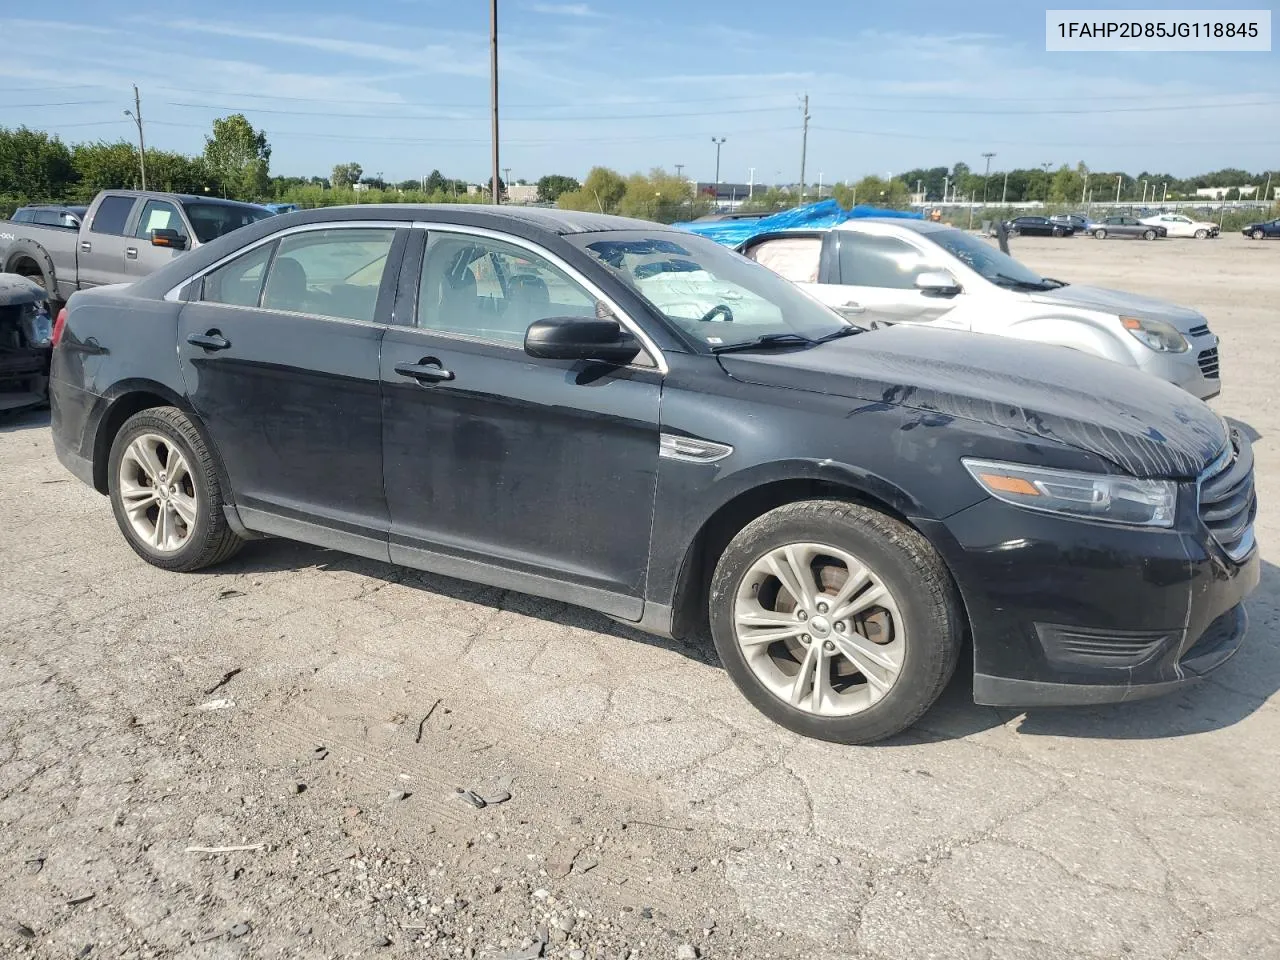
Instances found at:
x=279 y=352
x=101 y=257
x=140 y=257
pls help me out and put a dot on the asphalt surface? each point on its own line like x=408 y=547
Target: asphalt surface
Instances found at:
x=652 y=811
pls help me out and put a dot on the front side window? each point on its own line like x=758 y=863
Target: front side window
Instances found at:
x=794 y=258
x=491 y=290
x=983 y=258
x=870 y=261
x=112 y=215
x=158 y=215
x=333 y=273
x=716 y=296
x=239 y=282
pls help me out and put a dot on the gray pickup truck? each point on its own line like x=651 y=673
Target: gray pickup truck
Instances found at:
x=124 y=236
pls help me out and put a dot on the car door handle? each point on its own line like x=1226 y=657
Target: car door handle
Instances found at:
x=131 y=253
x=851 y=307
x=213 y=340
x=86 y=246
x=428 y=370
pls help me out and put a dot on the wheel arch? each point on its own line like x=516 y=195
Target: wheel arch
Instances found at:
x=689 y=608
x=41 y=267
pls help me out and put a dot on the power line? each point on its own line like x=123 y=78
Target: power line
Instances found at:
x=900 y=135
x=63 y=103
x=365 y=115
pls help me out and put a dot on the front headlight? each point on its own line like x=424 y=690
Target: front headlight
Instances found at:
x=1156 y=334
x=1091 y=496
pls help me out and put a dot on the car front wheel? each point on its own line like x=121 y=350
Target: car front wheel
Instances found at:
x=165 y=492
x=1202 y=234
x=1100 y=234
x=1148 y=234
x=1257 y=234
x=835 y=620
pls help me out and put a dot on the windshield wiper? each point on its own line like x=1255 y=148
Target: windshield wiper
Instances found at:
x=1044 y=283
x=767 y=340
x=1056 y=283
x=848 y=331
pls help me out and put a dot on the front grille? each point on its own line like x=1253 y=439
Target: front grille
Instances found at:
x=1228 y=501
x=1208 y=360
x=1200 y=331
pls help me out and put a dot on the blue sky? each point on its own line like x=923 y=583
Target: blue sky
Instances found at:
x=402 y=86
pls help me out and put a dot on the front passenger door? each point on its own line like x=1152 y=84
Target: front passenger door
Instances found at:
x=141 y=257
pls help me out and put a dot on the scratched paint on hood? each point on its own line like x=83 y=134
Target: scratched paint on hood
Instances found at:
x=1145 y=426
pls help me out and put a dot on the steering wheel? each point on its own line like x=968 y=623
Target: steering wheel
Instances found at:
x=719 y=310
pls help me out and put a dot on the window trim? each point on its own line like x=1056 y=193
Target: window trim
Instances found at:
x=625 y=319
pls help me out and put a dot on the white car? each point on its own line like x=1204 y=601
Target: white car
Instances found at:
x=879 y=272
x=1182 y=226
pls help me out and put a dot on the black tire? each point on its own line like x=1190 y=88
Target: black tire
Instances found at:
x=1258 y=234
x=212 y=541
x=1057 y=231
x=1148 y=235
x=1202 y=234
x=1100 y=234
x=906 y=563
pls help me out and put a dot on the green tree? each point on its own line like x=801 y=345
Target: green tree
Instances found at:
x=553 y=184
x=34 y=165
x=239 y=157
x=882 y=193
x=105 y=166
x=656 y=196
x=602 y=191
x=345 y=174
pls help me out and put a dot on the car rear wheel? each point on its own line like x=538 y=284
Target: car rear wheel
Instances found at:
x=1202 y=234
x=1148 y=234
x=1057 y=231
x=1100 y=234
x=165 y=492
x=1257 y=234
x=835 y=620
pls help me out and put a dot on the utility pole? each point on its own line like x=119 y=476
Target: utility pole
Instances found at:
x=804 y=142
x=819 y=184
x=506 y=178
x=1119 y=180
x=1045 y=167
x=751 y=182
x=1085 y=187
x=986 y=178
x=945 y=182
x=136 y=113
x=496 y=196
x=679 y=171
x=719 y=142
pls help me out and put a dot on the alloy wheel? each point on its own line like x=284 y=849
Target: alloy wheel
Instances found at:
x=819 y=629
x=158 y=493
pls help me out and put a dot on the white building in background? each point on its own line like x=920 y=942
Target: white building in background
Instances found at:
x=522 y=193
x=1217 y=193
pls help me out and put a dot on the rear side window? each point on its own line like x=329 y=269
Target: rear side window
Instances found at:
x=333 y=273
x=887 y=262
x=22 y=216
x=112 y=215
x=239 y=283
x=792 y=258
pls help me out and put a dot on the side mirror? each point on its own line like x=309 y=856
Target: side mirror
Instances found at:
x=165 y=237
x=580 y=338
x=937 y=283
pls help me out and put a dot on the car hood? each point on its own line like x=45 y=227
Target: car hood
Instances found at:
x=1143 y=425
x=1121 y=304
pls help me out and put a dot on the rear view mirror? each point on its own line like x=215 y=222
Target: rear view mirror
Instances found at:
x=580 y=338
x=937 y=283
x=165 y=237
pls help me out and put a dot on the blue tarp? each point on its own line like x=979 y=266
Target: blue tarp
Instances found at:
x=814 y=216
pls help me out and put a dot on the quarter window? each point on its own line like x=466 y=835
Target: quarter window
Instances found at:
x=476 y=287
x=112 y=215
x=887 y=262
x=333 y=273
x=239 y=283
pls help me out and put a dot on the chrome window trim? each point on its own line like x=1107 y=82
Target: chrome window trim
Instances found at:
x=292 y=313
x=172 y=294
x=650 y=347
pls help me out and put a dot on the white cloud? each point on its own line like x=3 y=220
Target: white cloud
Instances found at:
x=565 y=9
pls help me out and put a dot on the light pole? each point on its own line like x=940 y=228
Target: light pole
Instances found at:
x=751 y=182
x=1045 y=167
x=819 y=184
x=945 y=183
x=1119 y=180
x=679 y=171
x=136 y=113
x=1004 y=193
x=493 y=92
x=1165 y=195
x=986 y=178
x=1144 y=193
x=719 y=142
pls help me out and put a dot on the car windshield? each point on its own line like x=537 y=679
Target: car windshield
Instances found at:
x=981 y=256
x=718 y=297
x=212 y=220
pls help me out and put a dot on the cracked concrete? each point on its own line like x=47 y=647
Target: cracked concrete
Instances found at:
x=647 y=794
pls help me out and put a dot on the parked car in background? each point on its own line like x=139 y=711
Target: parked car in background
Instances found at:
x=281 y=207
x=1077 y=221
x=1177 y=225
x=1129 y=228
x=631 y=418
x=876 y=271
x=1037 y=227
x=124 y=236
x=26 y=339
x=50 y=215
x=1261 y=231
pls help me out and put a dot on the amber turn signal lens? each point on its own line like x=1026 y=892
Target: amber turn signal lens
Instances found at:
x=1018 y=485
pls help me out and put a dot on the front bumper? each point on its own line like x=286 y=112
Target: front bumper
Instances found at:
x=1198 y=371
x=1071 y=612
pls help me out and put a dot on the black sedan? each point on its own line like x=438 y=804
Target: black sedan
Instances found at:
x=1129 y=228
x=1038 y=227
x=1262 y=231
x=618 y=415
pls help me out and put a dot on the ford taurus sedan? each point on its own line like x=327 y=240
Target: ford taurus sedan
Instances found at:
x=614 y=414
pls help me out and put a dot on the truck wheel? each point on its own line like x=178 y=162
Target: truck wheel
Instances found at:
x=835 y=620
x=165 y=492
x=1100 y=234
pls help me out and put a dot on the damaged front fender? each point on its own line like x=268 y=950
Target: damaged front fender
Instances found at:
x=26 y=343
